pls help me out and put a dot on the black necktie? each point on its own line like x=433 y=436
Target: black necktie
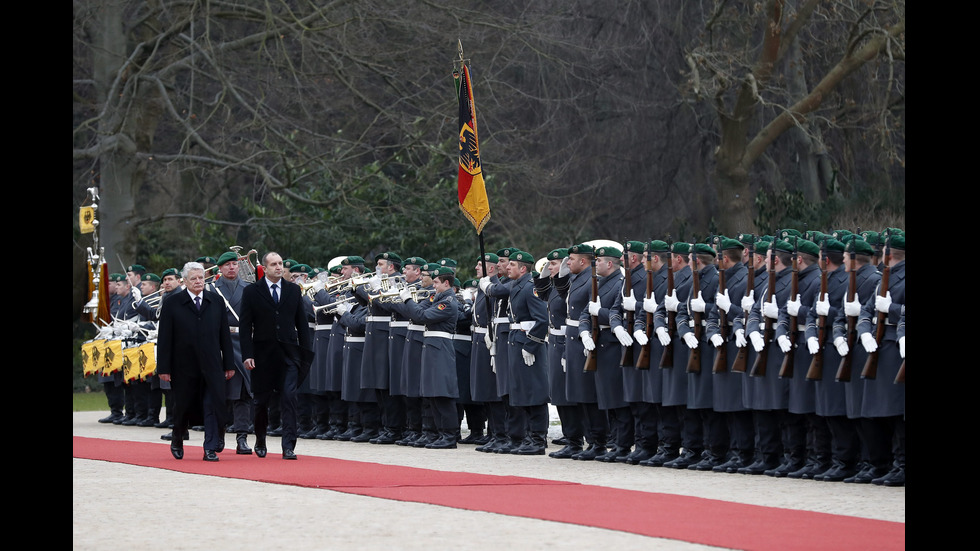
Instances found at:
x=275 y=295
x=197 y=302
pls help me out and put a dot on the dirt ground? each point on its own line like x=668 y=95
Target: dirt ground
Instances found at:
x=116 y=506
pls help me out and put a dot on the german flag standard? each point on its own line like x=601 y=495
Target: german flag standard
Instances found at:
x=472 y=191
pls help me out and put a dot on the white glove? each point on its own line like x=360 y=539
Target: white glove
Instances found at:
x=901 y=347
x=748 y=301
x=690 y=340
x=587 y=342
x=469 y=294
x=342 y=308
x=717 y=341
x=770 y=309
x=740 y=338
x=528 y=357
x=823 y=306
x=663 y=335
x=624 y=337
x=840 y=343
x=629 y=303
x=484 y=283
x=757 y=341
x=594 y=308
x=650 y=305
x=671 y=302
x=640 y=337
x=487 y=340
x=813 y=345
x=883 y=302
x=545 y=273
x=784 y=344
x=853 y=308
x=869 y=342
x=405 y=295
x=563 y=267
x=793 y=306
x=697 y=303
x=374 y=283
x=723 y=301
x=137 y=295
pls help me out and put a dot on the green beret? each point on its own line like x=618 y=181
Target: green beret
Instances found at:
x=808 y=247
x=558 y=254
x=440 y=270
x=897 y=242
x=747 y=238
x=316 y=271
x=762 y=246
x=681 y=247
x=136 y=269
x=658 y=246
x=634 y=246
x=489 y=257
x=352 y=261
x=150 y=277
x=471 y=284
x=336 y=269
x=704 y=248
x=861 y=246
x=522 y=256
x=388 y=256
x=614 y=252
x=871 y=237
x=782 y=245
x=728 y=244
x=790 y=232
x=289 y=263
x=841 y=235
x=505 y=252
x=226 y=257
x=447 y=262
x=117 y=277
x=300 y=269
x=432 y=268
x=170 y=272
x=581 y=248
x=414 y=261
x=206 y=260
x=456 y=283
x=833 y=245
x=894 y=231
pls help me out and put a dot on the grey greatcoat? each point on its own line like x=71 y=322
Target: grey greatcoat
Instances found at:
x=882 y=397
x=557 y=313
x=830 y=400
x=529 y=329
x=653 y=381
x=727 y=386
x=700 y=386
x=374 y=360
x=483 y=381
x=579 y=385
x=675 y=376
x=437 y=370
x=501 y=327
x=866 y=281
x=608 y=375
x=802 y=393
x=633 y=378
x=239 y=386
x=769 y=392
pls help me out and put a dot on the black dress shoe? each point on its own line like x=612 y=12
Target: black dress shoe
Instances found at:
x=472 y=438
x=757 y=468
x=308 y=435
x=730 y=466
x=613 y=454
x=112 y=418
x=836 y=473
x=708 y=463
x=446 y=441
x=684 y=460
x=198 y=428
x=242 y=448
x=274 y=432
x=563 y=441
x=895 y=478
x=260 y=449
x=146 y=422
x=210 y=455
x=177 y=450
x=365 y=436
x=783 y=470
x=590 y=453
x=131 y=421
x=658 y=460
x=567 y=452
x=638 y=455
x=165 y=424
x=288 y=454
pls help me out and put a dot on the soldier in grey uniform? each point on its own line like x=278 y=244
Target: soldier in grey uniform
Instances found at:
x=528 y=358
x=606 y=310
x=238 y=391
x=726 y=385
x=500 y=324
x=405 y=354
x=375 y=363
x=364 y=402
x=120 y=307
x=483 y=378
x=644 y=423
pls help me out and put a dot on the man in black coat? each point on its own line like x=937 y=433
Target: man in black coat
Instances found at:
x=195 y=354
x=276 y=348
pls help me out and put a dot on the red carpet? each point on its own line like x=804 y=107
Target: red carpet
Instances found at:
x=692 y=519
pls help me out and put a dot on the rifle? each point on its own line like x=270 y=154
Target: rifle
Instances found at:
x=786 y=369
x=626 y=360
x=762 y=358
x=721 y=355
x=900 y=376
x=667 y=359
x=815 y=372
x=643 y=361
x=694 y=358
x=742 y=358
x=870 y=370
x=844 y=370
x=591 y=359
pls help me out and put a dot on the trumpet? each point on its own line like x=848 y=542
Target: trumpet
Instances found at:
x=332 y=307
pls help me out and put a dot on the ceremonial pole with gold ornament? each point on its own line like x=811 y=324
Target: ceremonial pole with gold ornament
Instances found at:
x=97 y=308
x=471 y=187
